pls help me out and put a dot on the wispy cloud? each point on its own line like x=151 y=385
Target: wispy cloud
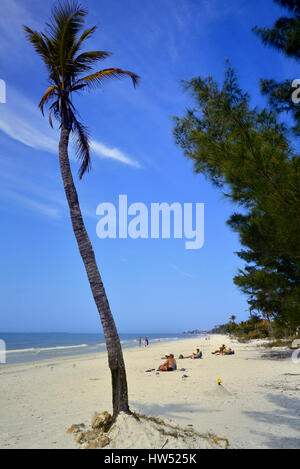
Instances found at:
x=49 y=202
x=31 y=204
x=114 y=153
x=182 y=272
x=21 y=120
x=20 y=130
x=13 y=15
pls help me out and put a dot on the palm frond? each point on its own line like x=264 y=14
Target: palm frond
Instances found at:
x=82 y=142
x=50 y=119
x=38 y=42
x=84 y=62
x=96 y=79
x=84 y=36
x=54 y=108
x=77 y=88
x=77 y=46
x=87 y=58
x=45 y=48
x=66 y=21
x=48 y=95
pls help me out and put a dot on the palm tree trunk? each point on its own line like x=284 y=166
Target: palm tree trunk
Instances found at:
x=114 y=350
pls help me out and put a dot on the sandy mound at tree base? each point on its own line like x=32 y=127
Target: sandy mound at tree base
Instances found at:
x=140 y=432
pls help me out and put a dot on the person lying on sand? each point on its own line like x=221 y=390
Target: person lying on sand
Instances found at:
x=169 y=365
x=229 y=352
x=196 y=355
x=221 y=351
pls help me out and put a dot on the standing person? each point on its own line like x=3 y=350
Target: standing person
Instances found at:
x=140 y=341
x=147 y=341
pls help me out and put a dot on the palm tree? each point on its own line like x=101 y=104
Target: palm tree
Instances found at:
x=232 y=318
x=60 y=48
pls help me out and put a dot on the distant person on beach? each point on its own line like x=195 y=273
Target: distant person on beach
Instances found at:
x=221 y=351
x=196 y=355
x=169 y=365
x=140 y=341
x=146 y=341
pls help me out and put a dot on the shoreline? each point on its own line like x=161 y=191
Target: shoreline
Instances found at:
x=88 y=355
x=36 y=353
x=257 y=405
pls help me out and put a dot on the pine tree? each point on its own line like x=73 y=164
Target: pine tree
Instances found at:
x=284 y=36
x=246 y=153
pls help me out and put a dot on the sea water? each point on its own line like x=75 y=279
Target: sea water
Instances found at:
x=29 y=347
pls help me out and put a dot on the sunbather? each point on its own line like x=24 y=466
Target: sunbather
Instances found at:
x=196 y=355
x=221 y=351
x=169 y=365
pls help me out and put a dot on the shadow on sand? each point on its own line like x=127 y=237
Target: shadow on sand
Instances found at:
x=288 y=415
x=172 y=411
x=277 y=354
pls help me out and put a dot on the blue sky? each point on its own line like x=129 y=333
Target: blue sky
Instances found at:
x=152 y=285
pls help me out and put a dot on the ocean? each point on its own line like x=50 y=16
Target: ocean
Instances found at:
x=31 y=347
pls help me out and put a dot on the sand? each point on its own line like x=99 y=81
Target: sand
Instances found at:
x=257 y=405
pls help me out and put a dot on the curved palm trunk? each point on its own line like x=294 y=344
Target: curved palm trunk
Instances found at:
x=114 y=350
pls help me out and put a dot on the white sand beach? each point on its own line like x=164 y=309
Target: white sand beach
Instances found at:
x=257 y=406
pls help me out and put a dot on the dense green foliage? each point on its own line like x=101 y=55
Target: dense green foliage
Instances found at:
x=285 y=33
x=284 y=36
x=247 y=153
x=256 y=327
